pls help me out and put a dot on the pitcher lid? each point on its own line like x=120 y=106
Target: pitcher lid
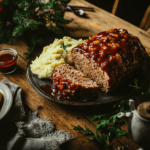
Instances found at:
x=144 y=109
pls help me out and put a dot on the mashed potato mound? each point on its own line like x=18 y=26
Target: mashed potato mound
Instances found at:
x=52 y=56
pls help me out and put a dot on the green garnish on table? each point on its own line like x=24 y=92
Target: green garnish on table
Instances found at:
x=108 y=126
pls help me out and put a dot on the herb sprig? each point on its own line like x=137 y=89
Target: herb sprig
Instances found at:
x=99 y=139
x=64 y=46
x=25 y=20
x=145 y=90
x=107 y=128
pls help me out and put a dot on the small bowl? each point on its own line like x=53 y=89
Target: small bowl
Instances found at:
x=7 y=100
x=8 y=60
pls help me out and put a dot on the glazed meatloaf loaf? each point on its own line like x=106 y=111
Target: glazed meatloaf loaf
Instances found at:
x=69 y=81
x=109 y=57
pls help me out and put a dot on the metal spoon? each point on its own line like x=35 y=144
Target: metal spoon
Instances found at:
x=78 y=12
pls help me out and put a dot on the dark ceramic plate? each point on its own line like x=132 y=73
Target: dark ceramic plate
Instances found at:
x=117 y=94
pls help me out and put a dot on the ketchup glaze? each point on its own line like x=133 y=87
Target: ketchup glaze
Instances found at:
x=115 y=47
x=55 y=93
x=63 y=89
x=65 y=86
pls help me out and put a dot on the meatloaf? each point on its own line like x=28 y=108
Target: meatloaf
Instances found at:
x=109 y=57
x=69 y=81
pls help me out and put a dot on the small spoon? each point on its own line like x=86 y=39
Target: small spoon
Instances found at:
x=78 y=12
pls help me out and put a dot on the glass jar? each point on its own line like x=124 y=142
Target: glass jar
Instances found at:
x=8 y=59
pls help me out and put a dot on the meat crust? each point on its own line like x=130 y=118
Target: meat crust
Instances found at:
x=109 y=57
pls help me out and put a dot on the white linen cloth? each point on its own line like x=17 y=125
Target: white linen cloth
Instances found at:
x=21 y=129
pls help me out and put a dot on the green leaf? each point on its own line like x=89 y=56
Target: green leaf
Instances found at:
x=68 y=45
x=114 y=118
x=145 y=90
x=107 y=128
x=32 y=44
x=23 y=18
x=97 y=117
x=136 y=82
x=119 y=133
x=64 y=46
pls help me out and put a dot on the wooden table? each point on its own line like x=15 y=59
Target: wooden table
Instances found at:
x=64 y=116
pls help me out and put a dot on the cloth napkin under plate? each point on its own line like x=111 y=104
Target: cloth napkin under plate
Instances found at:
x=22 y=129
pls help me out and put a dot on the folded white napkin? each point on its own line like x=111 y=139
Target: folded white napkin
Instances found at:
x=24 y=130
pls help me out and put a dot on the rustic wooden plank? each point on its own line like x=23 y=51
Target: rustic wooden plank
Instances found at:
x=80 y=30
x=145 y=19
x=95 y=22
x=115 y=6
x=147 y=50
x=105 y=20
x=66 y=116
x=148 y=31
x=127 y=142
x=81 y=27
x=147 y=26
x=63 y=116
x=33 y=100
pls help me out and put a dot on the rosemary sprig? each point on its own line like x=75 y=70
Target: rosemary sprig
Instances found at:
x=107 y=128
x=98 y=138
x=64 y=46
x=145 y=90
x=108 y=125
x=24 y=18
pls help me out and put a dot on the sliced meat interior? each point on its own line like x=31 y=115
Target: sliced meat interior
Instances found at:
x=69 y=81
x=109 y=57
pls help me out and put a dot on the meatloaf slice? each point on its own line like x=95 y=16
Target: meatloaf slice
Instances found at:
x=109 y=57
x=69 y=81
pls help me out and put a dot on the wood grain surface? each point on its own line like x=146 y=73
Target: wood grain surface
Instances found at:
x=63 y=116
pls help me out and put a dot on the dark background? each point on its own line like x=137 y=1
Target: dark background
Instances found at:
x=129 y=10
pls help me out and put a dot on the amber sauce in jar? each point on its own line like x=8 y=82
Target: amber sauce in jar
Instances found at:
x=7 y=61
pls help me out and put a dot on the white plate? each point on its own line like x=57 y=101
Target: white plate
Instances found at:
x=7 y=100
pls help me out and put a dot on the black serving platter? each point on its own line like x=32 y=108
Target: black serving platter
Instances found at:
x=119 y=93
